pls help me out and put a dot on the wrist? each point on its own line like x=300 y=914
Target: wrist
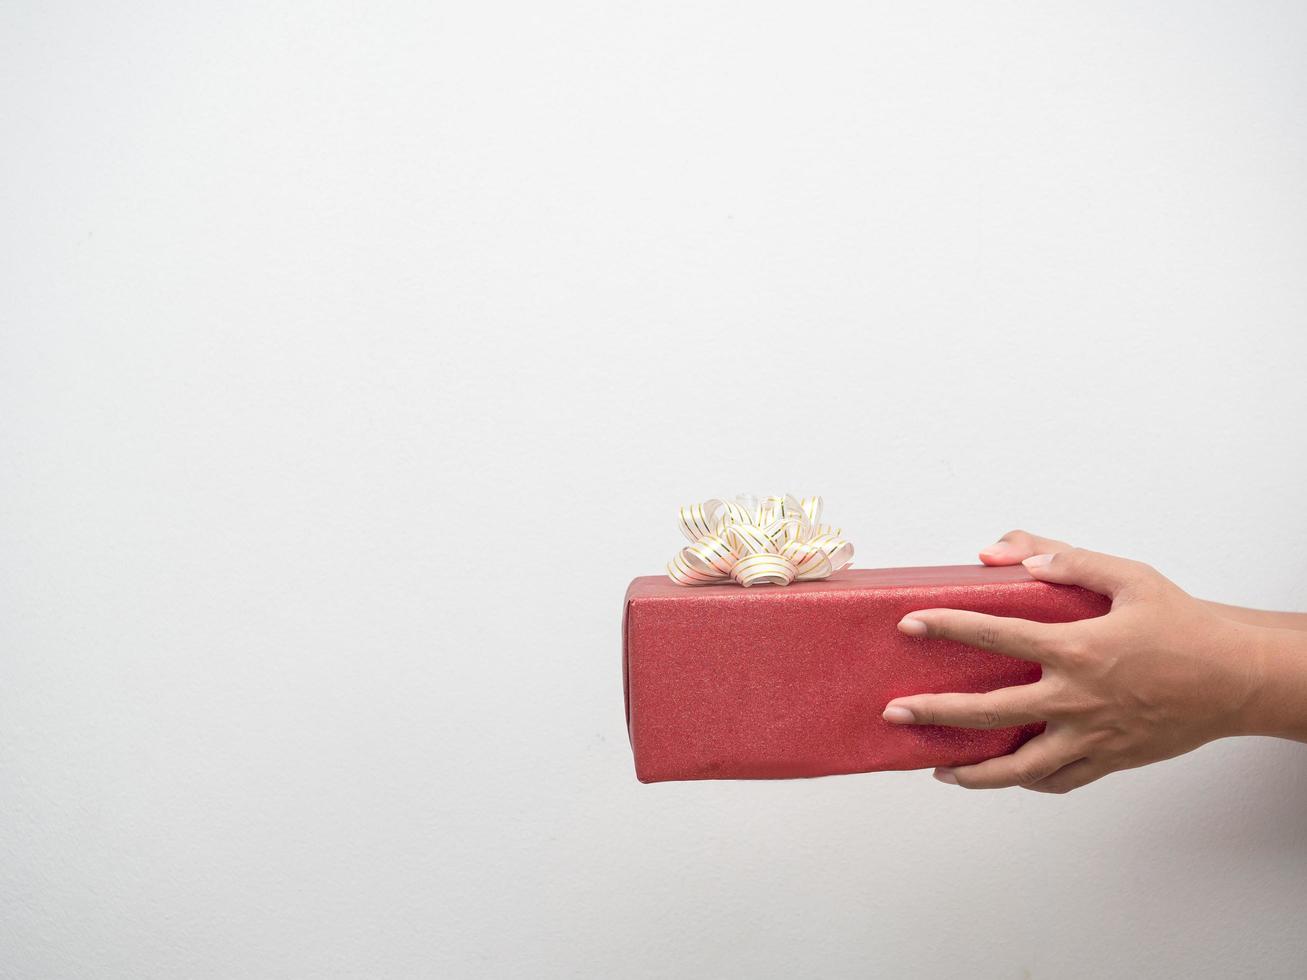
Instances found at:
x=1275 y=678
x=1257 y=617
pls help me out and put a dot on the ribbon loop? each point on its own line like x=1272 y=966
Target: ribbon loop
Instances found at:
x=755 y=541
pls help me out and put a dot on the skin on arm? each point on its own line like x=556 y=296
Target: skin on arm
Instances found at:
x=1157 y=676
x=1259 y=617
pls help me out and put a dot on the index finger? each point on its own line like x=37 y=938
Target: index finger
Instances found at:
x=1020 y=638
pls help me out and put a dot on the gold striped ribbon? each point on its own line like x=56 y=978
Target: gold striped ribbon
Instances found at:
x=772 y=541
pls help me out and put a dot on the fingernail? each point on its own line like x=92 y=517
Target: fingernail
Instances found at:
x=1034 y=561
x=913 y=627
x=898 y=715
x=946 y=776
x=997 y=548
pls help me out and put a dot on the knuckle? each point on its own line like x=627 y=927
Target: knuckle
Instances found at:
x=1069 y=647
x=1071 y=652
x=1059 y=704
x=1026 y=774
x=989 y=718
x=1146 y=580
x=1102 y=743
x=987 y=637
x=1143 y=590
x=1046 y=645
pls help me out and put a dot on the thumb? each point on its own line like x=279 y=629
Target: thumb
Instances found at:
x=1097 y=572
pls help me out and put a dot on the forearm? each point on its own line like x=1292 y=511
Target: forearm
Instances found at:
x=1260 y=617
x=1278 y=660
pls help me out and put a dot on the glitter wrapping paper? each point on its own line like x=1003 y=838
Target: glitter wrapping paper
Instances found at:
x=778 y=682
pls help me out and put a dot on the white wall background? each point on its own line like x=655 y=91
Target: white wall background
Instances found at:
x=354 y=356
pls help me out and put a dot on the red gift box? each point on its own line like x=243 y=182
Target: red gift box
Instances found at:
x=776 y=682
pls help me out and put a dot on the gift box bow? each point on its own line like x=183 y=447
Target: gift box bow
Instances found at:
x=772 y=541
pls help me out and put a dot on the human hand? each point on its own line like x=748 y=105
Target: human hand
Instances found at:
x=1157 y=676
x=1017 y=546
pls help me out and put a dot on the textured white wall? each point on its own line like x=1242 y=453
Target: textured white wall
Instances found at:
x=354 y=356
